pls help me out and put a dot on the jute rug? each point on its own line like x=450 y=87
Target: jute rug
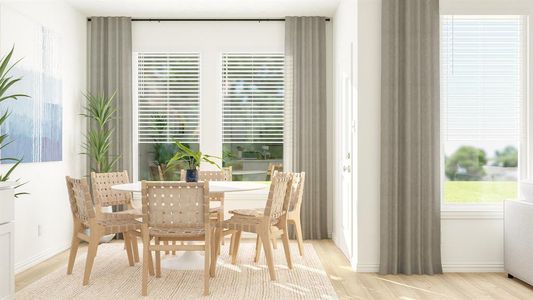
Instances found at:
x=112 y=278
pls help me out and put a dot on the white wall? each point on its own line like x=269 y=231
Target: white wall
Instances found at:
x=471 y=241
x=47 y=205
x=211 y=39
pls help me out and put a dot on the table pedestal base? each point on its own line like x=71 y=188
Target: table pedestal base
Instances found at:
x=189 y=260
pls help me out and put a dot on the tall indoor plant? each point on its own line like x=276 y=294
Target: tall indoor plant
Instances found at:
x=100 y=112
x=6 y=82
x=192 y=160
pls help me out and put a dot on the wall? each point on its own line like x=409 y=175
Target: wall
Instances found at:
x=471 y=240
x=211 y=39
x=47 y=206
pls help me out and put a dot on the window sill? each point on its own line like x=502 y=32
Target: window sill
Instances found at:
x=471 y=215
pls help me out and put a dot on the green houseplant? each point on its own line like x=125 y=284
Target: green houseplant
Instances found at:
x=192 y=160
x=100 y=112
x=6 y=82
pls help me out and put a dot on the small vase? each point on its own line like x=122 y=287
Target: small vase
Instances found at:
x=191 y=176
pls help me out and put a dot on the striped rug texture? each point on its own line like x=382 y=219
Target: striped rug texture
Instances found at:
x=112 y=278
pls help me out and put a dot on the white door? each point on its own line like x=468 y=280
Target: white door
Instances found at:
x=347 y=159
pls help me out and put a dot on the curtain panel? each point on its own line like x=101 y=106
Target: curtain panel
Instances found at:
x=305 y=144
x=110 y=71
x=410 y=138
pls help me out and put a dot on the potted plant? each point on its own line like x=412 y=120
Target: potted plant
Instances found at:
x=6 y=82
x=192 y=160
x=100 y=112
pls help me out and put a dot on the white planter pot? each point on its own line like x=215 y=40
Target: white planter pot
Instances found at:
x=7 y=241
x=7 y=203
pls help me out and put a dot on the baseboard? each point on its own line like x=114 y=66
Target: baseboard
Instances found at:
x=473 y=268
x=446 y=268
x=40 y=257
x=367 y=268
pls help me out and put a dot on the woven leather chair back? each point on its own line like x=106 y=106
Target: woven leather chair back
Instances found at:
x=279 y=195
x=175 y=204
x=102 y=192
x=81 y=203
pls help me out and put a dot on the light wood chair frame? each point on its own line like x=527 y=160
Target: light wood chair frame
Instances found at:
x=105 y=196
x=85 y=217
x=161 y=242
x=275 y=214
x=217 y=213
x=293 y=215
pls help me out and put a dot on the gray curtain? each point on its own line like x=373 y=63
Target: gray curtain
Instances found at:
x=305 y=144
x=110 y=70
x=410 y=141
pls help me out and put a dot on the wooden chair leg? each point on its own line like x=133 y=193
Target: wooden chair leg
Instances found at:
x=207 y=262
x=75 y=243
x=157 y=260
x=265 y=239
x=135 y=247
x=219 y=237
x=231 y=244
x=127 y=245
x=91 y=254
x=150 y=262
x=235 y=249
x=257 y=248
x=146 y=261
x=274 y=240
x=174 y=243
x=298 y=230
x=214 y=253
x=220 y=220
x=285 y=241
x=166 y=244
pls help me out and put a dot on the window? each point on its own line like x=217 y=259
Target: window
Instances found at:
x=482 y=92
x=168 y=108
x=253 y=99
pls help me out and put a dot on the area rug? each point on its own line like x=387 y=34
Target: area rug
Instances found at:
x=112 y=278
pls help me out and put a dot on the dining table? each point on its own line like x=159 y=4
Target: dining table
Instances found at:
x=192 y=260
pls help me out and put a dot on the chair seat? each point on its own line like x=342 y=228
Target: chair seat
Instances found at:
x=243 y=223
x=132 y=211
x=215 y=209
x=177 y=232
x=115 y=225
x=253 y=212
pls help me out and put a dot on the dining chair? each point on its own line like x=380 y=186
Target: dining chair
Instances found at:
x=273 y=167
x=293 y=213
x=217 y=212
x=274 y=214
x=105 y=196
x=176 y=211
x=85 y=217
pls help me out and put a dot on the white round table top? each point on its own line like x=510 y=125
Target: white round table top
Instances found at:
x=214 y=186
x=249 y=172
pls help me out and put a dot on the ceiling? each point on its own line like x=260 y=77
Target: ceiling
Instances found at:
x=205 y=8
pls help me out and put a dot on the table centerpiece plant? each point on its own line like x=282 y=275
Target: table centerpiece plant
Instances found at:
x=192 y=160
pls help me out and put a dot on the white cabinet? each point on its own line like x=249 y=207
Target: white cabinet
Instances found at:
x=519 y=240
x=7 y=241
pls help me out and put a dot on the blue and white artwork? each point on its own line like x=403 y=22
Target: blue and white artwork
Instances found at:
x=36 y=122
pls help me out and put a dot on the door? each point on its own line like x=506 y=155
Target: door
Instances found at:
x=347 y=159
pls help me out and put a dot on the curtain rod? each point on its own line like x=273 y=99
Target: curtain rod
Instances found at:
x=210 y=20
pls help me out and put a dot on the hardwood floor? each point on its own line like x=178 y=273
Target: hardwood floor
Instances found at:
x=352 y=285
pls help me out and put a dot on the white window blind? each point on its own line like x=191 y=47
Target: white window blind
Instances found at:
x=253 y=97
x=168 y=97
x=481 y=77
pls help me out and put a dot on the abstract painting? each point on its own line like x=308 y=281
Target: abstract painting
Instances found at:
x=36 y=122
